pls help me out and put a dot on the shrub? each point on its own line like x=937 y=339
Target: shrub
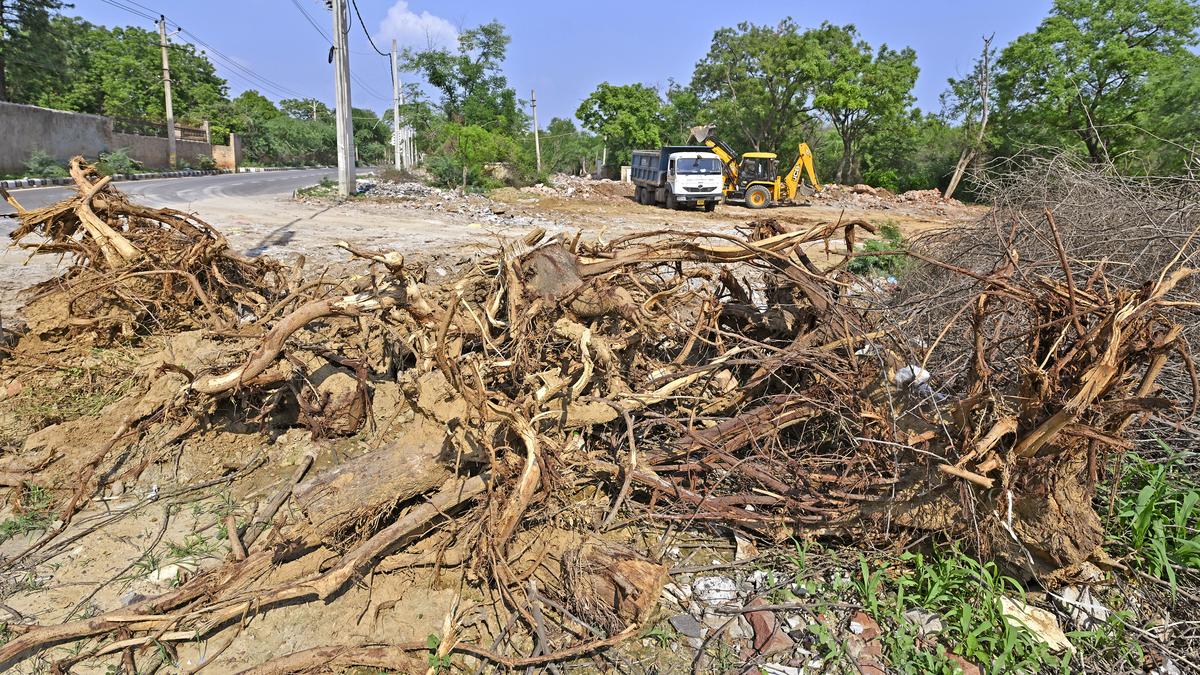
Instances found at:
x=41 y=165
x=205 y=162
x=885 y=178
x=880 y=265
x=117 y=161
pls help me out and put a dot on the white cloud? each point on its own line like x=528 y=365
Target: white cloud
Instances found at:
x=415 y=30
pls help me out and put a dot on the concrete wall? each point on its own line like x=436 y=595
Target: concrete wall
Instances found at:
x=25 y=128
x=153 y=153
x=228 y=156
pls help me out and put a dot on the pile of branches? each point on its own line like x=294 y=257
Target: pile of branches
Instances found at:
x=698 y=378
x=137 y=269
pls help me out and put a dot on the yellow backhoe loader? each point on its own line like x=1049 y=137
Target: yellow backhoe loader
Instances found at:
x=753 y=179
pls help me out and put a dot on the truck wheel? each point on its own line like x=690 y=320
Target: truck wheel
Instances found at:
x=671 y=201
x=758 y=197
x=639 y=195
x=710 y=206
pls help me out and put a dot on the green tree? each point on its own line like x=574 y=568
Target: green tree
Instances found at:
x=118 y=72
x=756 y=82
x=860 y=91
x=1171 y=117
x=306 y=109
x=564 y=146
x=682 y=111
x=286 y=140
x=27 y=53
x=910 y=152
x=466 y=150
x=1083 y=76
x=248 y=115
x=472 y=87
x=627 y=116
x=372 y=137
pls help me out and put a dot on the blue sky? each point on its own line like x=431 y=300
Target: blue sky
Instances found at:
x=563 y=49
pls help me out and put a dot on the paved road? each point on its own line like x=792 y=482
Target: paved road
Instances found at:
x=180 y=192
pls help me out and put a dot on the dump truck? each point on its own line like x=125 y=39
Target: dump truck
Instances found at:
x=678 y=176
x=753 y=179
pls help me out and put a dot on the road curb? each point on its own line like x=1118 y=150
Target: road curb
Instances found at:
x=19 y=183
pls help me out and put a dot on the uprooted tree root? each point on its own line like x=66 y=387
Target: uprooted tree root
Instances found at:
x=139 y=269
x=697 y=376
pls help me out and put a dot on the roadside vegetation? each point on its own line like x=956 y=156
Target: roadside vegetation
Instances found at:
x=1111 y=81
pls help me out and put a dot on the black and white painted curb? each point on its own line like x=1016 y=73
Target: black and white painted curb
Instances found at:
x=44 y=182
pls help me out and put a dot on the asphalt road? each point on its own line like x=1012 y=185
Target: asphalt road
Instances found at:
x=180 y=192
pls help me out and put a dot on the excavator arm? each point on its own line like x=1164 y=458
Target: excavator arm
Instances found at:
x=703 y=134
x=804 y=162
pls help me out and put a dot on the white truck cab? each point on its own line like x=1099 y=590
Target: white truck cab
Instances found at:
x=678 y=176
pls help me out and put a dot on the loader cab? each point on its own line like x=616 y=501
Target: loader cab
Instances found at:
x=757 y=166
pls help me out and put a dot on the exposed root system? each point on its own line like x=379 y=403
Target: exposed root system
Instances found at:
x=569 y=386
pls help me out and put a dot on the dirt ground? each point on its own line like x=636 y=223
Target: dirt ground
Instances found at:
x=433 y=227
x=147 y=535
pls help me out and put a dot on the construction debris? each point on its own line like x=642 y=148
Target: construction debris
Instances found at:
x=558 y=393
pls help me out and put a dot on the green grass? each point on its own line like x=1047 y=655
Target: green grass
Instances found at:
x=326 y=188
x=35 y=513
x=72 y=393
x=965 y=595
x=882 y=265
x=1156 y=523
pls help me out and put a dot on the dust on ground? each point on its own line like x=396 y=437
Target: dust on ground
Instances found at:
x=434 y=223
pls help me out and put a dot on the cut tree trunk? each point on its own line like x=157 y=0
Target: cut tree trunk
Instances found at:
x=348 y=502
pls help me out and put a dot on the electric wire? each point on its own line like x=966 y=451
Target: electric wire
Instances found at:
x=354 y=3
x=243 y=72
x=312 y=22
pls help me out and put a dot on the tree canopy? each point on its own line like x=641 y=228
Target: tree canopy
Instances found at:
x=757 y=81
x=1084 y=75
x=470 y=81
x=627 y=116
x=27 y=53
x=118 y=72
x=860 y=92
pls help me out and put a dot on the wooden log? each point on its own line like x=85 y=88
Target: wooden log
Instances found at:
x=623 y=582
x=350 y=499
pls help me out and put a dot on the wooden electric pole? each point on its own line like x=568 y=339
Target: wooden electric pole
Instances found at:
x=537 y=144
x=166 y=74
x=341 y=82
x=396 y=110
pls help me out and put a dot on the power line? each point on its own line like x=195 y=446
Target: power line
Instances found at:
x=118 y=5
x=354 y=3
x=138 y=4
x=311 y=21
x=233 y=63
x=238 y=70
x=370 y=92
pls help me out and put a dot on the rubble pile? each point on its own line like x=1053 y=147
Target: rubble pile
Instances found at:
x=581 y=187
x=475 y=206
x=862 y=196
x=567 y=397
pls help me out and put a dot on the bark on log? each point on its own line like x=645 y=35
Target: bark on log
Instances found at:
x=352 y=497
x=624 y=583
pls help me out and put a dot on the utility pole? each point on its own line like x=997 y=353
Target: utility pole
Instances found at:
x=166 y=67
x=400 y=158
x=341 y=80
x=537 y=144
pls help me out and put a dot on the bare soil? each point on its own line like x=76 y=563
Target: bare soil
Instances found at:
x=154 y=536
